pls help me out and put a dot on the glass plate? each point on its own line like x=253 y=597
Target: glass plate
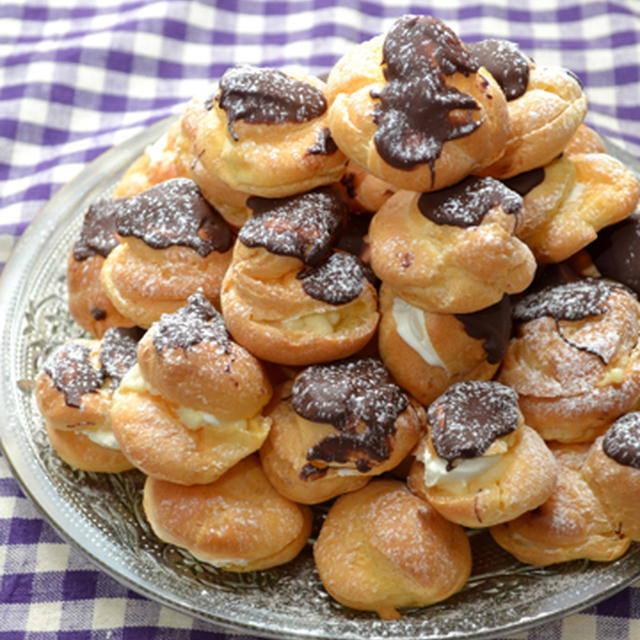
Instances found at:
x=102 y=513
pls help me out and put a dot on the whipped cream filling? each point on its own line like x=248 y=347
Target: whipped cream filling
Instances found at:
x=103 y=437
x=155 y=150
x=410 y=325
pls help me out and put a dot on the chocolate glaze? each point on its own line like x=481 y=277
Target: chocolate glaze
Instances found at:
x=354 y=236
x=616 y=252
x=324 y=144
x=414 y=115
x=622 y=440
x=466 y=203
x=98 y=233
x=337 y=280
x=525 y=182
x=305 y=226
x=469 y=417
x=267 y=96
x=70 y=370
x=359 y=398
x=98 y=314
x=118 y=352
x=505 y=62
x=493 y=325
x=172 y=213
x=197 y=322
x=348 y=181
x=569 y=301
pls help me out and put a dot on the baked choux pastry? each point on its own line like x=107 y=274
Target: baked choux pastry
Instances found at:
x=237 y=523
x=612 y=470
x=567 y=202
x=173 y=244
x=337 y=425
x=382 y=549
x=288 y=296
x=585 y=140
x=426 y=352
x=89 y=304
x=571 y=524
x=191 y=407
x=480 y=464
x=414 y=107
x=156 y=164
x=616 y=251
x=364 y=191
x=546 y=105
x=74 y=393
x=575 y=358
x=451 y=251
x=262 y=132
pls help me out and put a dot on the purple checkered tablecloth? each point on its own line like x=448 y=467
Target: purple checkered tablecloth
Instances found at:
x=79 y=76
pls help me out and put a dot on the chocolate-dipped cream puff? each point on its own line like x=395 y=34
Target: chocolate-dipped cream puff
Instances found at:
x=364 y=191
x=546 y=105
x=237 y=523
x=156 y=164
x=575 y=358
x=74 y=392
x=289 y=296
x=571 y=524
x=382 y=548
x=190 y=409
x=415 y=108
x=89 y=304
x=427 y=352
x=337 y=425
x=261 y=132
x=480 y=464
x=612 y=470
x=173 y=244
x=454 y=250
x=567 y=203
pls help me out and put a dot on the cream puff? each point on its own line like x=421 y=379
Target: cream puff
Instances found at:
x=415 y=108
x=237 y=523
x=261 y=132
x=480 y=464
x=571 y=524
x=173 y=244
x=546 y=105
x=426 y=352
x=454 y=250
x=191 y=408
x=289 y=296
x=335 y=426
x=585 y=140
x=381 y=549
x=74 y=393
x=575 y=358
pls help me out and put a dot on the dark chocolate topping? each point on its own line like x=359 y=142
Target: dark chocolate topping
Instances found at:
x=353 y=237
x=466 y=203
x=505 y=62
x=70 y=370
x=616 y=252
x=414 y=116
x=267 y=96
x=118 y=352
x=197 y=322
x=98 y=313
x=622 y=440
x=304 y=226
x=171 y=213
x=493 y=325
x=469 y=417
x=570 y=301
x=337 y=280
x=346 y=394
x=98 y=233
x=324 y=145
x=525 y=182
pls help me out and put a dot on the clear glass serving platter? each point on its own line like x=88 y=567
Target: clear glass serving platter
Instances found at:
x=102 y=514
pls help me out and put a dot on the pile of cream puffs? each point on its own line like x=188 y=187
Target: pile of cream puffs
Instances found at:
x=408 y=292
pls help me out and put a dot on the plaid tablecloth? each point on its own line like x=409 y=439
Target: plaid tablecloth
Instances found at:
x=78 y=76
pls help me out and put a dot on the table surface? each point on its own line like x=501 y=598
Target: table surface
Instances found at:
x=77 y=77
